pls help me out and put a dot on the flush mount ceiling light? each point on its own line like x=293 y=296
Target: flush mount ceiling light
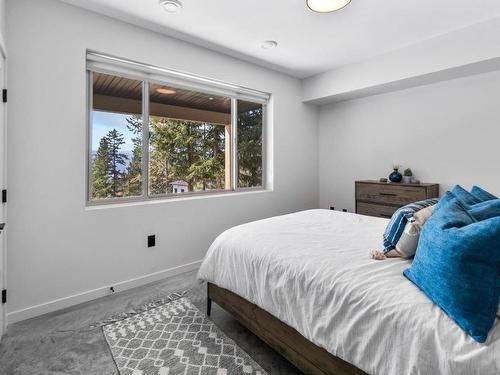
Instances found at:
x=325 y=6
x=171 y=6
x=269 y=44
x=165 y=91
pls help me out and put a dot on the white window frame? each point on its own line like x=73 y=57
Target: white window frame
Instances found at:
x=150 y=74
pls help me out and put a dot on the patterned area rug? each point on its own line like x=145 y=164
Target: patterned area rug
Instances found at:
x=173 y=339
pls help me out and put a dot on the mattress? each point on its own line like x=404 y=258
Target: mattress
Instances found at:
x=312 y=270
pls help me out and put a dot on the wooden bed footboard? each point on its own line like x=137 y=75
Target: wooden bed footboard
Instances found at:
x=303 y=354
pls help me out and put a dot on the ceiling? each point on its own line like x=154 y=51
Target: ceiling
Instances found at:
x=309 y=43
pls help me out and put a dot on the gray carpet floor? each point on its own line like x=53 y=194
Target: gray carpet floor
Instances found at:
x=62 y=343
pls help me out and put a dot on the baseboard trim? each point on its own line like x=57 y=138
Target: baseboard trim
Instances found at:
x=65 y=302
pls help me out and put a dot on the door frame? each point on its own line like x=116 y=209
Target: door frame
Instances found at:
x=3 y=159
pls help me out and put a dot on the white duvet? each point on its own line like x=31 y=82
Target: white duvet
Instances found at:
x=312 y=270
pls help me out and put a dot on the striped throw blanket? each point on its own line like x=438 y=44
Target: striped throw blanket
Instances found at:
x=399 y=220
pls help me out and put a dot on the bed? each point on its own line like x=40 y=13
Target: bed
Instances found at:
x=306 y=285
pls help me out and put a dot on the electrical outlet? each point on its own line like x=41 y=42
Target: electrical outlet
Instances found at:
x=152 y=240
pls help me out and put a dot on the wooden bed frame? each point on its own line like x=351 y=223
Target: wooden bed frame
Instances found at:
x=306 y=356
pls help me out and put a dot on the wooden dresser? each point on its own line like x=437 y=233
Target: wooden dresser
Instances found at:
x=382 y=199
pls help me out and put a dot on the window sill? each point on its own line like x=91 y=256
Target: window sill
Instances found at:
x=93 y=206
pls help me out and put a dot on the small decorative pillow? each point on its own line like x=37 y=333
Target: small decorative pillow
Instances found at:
x=456 y=266
x=482 y=194
x=398 y=222
x=407 y=244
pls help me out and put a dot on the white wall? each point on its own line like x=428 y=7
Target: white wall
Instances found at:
x=448 y=133
x=57 y=247
x=2 y=18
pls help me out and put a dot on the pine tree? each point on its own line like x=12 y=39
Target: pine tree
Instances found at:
x=250 y=148
x=162 y=148
x=186 y=150
x=208 y=170
x=216 y=138
x=117 y=159
x=134 y=169
x=107 y=177
x=101 y=186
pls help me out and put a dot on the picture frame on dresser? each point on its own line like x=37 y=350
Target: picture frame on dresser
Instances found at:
x=382 y=199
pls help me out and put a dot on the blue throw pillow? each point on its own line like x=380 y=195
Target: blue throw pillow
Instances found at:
x=482 y=194
x=464 y=196
x=485 y=210
x=456 y=266
x=399 y=220
x=480 y=211
x=443 y=201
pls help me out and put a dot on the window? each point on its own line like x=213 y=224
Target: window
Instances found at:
x=116 y=147
x=249 y=144
x=158 y=133
x=189 y=140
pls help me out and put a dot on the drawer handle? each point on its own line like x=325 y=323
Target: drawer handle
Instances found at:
x=389 y=194
x=386 y=216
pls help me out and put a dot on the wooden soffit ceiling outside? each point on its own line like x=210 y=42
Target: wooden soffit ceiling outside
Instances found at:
x=124 y=88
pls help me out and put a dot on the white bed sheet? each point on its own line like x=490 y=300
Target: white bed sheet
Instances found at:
x=312 y=270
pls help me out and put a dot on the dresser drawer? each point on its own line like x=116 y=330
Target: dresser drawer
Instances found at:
x=377 y=210
x=388 y=194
